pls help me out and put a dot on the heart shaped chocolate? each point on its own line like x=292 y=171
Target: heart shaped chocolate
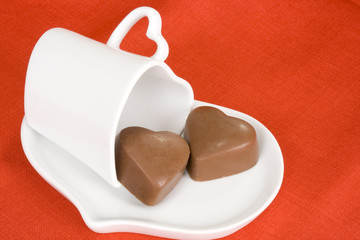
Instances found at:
x=149 y=164
x=220 y=145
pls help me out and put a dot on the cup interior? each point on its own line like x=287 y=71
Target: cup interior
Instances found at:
x=158 y=101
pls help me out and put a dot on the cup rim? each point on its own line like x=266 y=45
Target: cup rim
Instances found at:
x=125 y=96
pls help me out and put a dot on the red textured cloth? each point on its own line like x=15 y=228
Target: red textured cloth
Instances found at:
x=293 y=65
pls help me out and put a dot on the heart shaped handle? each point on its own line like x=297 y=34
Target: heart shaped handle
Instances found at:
x=153 y=32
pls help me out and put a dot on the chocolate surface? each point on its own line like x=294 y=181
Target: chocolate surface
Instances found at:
x=220 y=145
x=149 y=164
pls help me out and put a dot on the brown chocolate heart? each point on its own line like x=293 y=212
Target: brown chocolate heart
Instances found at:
x=220 y=145
x=149 y=164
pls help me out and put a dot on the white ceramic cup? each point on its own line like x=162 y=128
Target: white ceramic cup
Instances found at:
x=81 y=93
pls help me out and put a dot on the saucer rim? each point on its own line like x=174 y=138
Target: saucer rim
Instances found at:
x=126 y=225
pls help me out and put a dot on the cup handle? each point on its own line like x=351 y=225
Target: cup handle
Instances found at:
x=153 y=32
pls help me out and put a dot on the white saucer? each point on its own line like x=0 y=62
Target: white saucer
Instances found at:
x=193 y=210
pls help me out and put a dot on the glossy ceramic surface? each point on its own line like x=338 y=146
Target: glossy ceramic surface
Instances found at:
x=193 y=210
x=80 y=93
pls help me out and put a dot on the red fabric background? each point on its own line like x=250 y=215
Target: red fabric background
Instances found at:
x=293 y=65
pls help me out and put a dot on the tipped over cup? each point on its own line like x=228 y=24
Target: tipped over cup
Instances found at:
x=81 y=93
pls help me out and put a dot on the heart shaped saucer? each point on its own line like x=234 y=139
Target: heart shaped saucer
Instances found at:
x=193 y=210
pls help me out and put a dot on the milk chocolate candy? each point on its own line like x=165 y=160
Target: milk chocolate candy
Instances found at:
x=149 y=164
x=220 y=145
